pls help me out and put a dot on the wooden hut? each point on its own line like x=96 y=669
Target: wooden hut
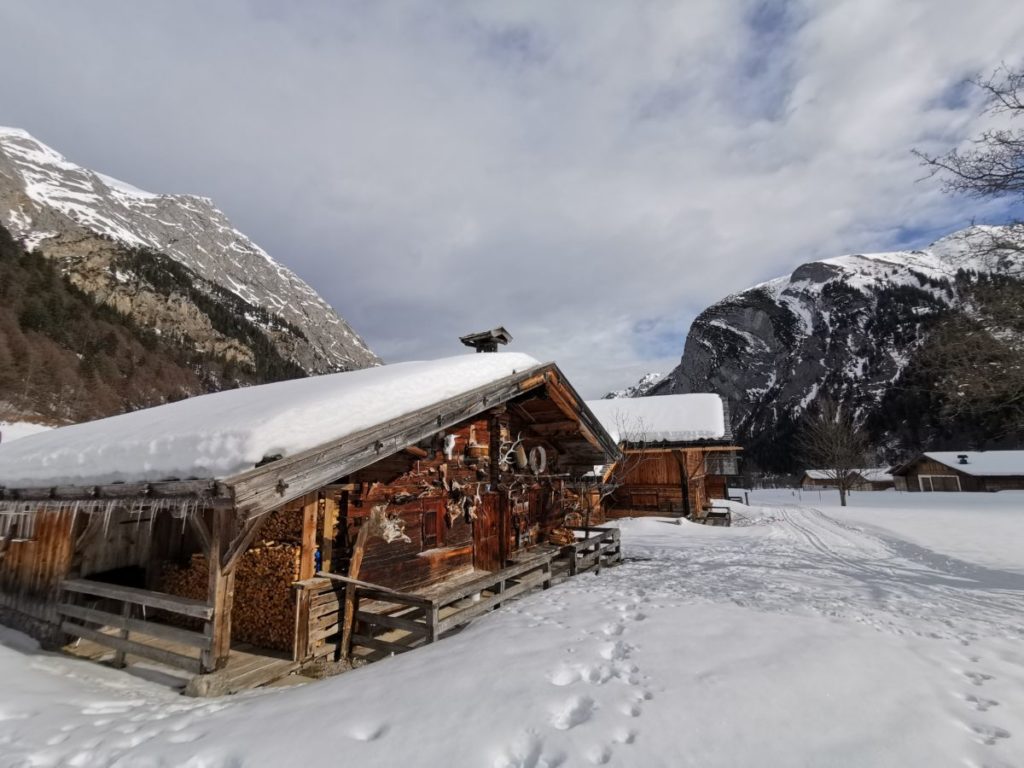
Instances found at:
x=962 y=471
x=866 y=479
x=241 y=534
x=677 y=455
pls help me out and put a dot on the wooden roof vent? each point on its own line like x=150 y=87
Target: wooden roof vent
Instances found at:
x=487 y=341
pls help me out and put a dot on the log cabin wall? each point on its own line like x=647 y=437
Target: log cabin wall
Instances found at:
x=652 y=483
x=433 y=541
x=31 y=570
x=926 y=466
x=435 y=494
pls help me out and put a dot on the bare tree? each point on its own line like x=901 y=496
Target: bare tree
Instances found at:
x=993 y=164
x=977 y=360
x=592 y=491
x=830 y=440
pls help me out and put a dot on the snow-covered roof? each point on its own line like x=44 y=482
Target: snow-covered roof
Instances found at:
x=871 y=474
x=982 y=463
x=663 y=418
x=223 y=434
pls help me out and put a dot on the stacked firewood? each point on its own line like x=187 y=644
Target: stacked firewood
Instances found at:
x=263 y=612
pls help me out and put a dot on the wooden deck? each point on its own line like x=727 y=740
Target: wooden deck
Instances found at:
x=248 y=667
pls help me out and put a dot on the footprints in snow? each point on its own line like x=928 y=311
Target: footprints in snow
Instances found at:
x=989 y=735
x=612 y=663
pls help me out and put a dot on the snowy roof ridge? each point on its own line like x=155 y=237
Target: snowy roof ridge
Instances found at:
x=220 y=435
x=663 y=418
x=982 y=463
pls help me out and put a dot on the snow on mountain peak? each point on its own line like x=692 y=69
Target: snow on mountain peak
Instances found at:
x=44 y=196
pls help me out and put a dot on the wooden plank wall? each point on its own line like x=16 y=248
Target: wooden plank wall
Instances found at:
x=31 y=570
x=122 y=540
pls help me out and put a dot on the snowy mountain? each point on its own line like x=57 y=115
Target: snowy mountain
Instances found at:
x=846 y=327
x=172 y=263
x=646 y=383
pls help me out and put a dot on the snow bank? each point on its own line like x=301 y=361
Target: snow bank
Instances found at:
x=15 y=430
x=666 y=418
x=219 y=435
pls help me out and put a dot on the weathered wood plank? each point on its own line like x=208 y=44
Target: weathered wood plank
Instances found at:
x=391 y=622
x=377 y=644
x=183 y=605
x=160 y=631
x=131 y=647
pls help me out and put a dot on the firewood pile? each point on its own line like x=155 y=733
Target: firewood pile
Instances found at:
x=263 y=612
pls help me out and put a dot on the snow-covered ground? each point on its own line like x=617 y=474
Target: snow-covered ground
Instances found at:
x=885 y=634
x=12 y=430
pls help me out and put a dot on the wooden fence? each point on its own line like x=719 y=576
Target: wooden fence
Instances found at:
x=594 y=547
x=413 y=619
x=84 y=608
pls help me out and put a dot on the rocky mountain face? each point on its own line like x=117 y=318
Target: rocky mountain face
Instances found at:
x=852 y=328
x=170 y=267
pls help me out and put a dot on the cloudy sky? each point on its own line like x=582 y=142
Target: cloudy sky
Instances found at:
x=590 y=174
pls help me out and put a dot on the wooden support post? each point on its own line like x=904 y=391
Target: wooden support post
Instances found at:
x=126 y=612
x=331 y=510
x=301 y=647
x=432 y=619
x=221 y=592
x=350 y=590
x=307 y=564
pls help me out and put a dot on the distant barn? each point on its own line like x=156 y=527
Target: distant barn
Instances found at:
x=678 y=454
x=866 y=479
x=962 y=471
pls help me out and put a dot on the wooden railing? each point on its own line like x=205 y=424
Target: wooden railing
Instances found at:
x=416 y=619
x=594 y=547
x=87 y=621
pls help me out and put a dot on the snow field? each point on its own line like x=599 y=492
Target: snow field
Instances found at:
x=804 y=636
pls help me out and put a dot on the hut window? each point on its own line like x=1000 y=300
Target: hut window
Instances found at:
x=17 y=525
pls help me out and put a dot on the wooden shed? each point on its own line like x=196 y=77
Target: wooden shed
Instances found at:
x=962 y=471
x=242 y=534
x=677 y=455
x=866 y=479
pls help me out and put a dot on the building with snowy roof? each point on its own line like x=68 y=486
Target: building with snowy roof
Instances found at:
x=304 y=518
x=866 y=479
x=962 y=471
x=677 y=454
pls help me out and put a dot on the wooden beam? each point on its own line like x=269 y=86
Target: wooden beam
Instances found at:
x=241 y=542
x=123 y=646
x=355 y=564
x=201 y=531
x=307 y=555
x=187 y=490
x=221 y=592
x=331 y=510
x=160 y=631
x=182 y=605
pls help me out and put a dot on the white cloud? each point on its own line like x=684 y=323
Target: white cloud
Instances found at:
x=590 y=174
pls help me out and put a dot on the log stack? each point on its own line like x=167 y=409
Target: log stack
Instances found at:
x=263 y=611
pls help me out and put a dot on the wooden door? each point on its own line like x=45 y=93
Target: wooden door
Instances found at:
x=487 y=535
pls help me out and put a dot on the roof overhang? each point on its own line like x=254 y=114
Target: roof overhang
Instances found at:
x=265 y=488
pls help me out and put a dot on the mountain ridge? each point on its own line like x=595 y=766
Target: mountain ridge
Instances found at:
x=847 y=327
x=65 y=211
